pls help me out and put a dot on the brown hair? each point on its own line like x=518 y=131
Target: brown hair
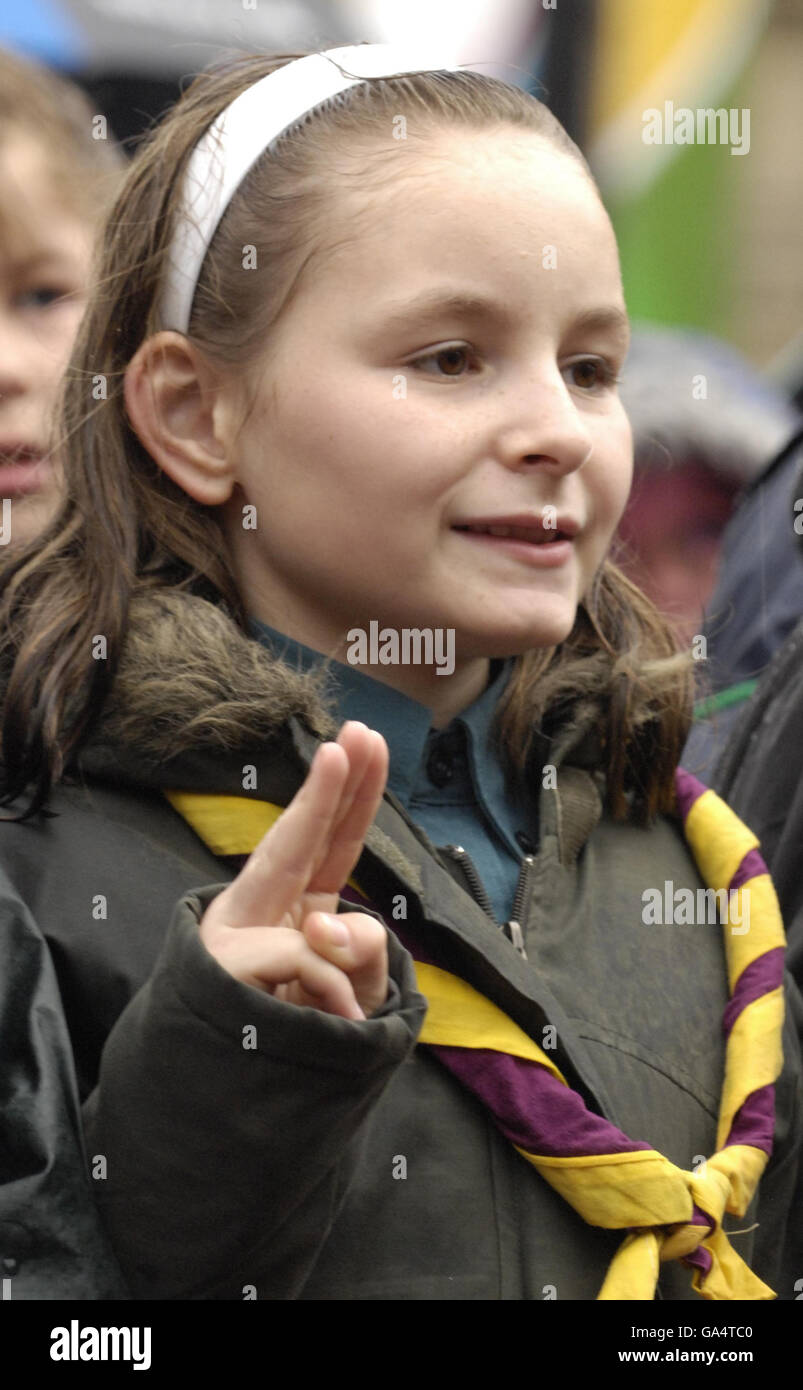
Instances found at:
x=126 y=527
x=51 y=110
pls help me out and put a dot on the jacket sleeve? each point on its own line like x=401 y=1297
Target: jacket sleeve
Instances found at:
x=229 y=1121
x=52 y=1242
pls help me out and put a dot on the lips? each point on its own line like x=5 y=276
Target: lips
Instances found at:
x=532 y=530
x=24 y=468
x=13 y=452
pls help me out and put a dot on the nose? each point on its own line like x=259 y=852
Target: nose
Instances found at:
x=543 y=425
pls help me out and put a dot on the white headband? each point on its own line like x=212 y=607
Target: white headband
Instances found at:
x=236 y=139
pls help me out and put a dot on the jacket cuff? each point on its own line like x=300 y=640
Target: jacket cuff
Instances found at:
x=321 y=1040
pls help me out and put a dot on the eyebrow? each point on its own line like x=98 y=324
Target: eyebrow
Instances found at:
x=605 y=320
x=435 y=302
x=439 y=302
x=42 y=261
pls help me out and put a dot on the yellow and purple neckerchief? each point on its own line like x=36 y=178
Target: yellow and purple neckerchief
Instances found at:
x=612 y=1181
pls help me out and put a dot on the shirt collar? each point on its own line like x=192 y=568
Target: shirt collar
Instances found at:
x=404 y=723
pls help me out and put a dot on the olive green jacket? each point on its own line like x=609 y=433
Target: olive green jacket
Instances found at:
x=237 y=1146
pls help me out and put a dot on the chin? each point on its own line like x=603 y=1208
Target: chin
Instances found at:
x=550 y=630
x=31 y=514
x=507 y=642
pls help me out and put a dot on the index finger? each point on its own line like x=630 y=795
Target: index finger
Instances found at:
x=359 y=806
x=279 y=869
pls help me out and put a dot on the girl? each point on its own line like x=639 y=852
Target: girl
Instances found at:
x=56 y=181
x=361 y=327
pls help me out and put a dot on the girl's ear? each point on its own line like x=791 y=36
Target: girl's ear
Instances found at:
x=182 y=415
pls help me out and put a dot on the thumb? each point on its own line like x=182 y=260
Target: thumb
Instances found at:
x=358 y=945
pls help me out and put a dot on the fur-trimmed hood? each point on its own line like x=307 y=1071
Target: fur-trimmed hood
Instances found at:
x=190 y=678
x=191 y=681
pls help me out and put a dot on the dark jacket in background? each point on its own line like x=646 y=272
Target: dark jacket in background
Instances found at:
x=760 y=774
x=757 y=602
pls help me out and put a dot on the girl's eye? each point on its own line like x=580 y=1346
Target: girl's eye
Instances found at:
x=41 y=296
x=451 y=360
x=592 y=373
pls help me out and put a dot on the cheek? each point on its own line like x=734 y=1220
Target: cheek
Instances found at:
x=613 y=477
x=608 y=489
x=624 y=483
x=346 y=451
x=56 y=345
x=32 y=514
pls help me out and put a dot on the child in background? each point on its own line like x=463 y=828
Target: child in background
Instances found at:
x=360 y=463
x=56 y=182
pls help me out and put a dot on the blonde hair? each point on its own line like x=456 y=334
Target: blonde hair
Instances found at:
x=56 y=114
x=126 y=526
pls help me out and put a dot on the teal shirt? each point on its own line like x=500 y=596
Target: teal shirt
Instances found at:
x=449 y=780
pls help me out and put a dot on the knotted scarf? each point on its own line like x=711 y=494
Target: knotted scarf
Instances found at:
x=612 y=1181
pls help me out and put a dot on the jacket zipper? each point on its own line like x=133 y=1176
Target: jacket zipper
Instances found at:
x=511 y=929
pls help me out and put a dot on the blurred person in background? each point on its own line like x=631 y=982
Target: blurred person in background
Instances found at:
x=59 y=170
x=705 y=424
x=756 y=604
x=56 y=180
x=760 y=768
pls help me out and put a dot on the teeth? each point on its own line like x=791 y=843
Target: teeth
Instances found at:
x=517 y=533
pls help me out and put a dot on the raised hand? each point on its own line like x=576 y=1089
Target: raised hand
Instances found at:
x=276 y=926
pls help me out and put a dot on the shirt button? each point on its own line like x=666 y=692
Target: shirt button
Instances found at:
x=525 y=842
x=439 y=768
